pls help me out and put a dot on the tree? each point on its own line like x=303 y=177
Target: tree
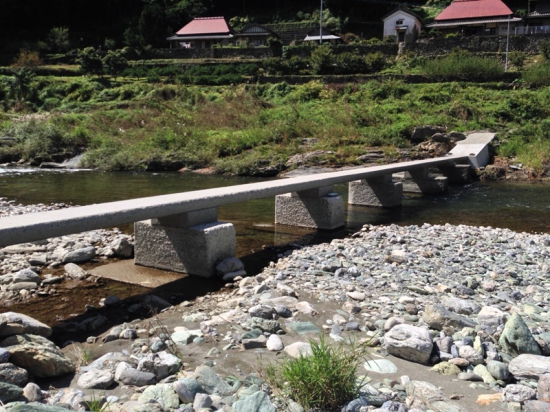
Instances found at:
x=90 y=62
x=152 y=25
x=58 y=39
x=115 y=63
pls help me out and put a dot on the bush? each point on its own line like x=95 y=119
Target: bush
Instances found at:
x=374 y=62
x=349 y=63
x=321 y=60
x=325 y=380
x=518 y=59
x=90 y=61
x=114 y=63
x=544 y=48
x=27 y=59
x=537 y=75
x=463 y=66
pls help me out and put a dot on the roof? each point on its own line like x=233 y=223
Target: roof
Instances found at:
x=200 y=37
x=205 y=25
x=404 y=10
x=254 y=28
x=318 y=38
x=474 y=9
x=471 y=22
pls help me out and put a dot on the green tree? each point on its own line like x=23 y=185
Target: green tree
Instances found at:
x=114 y=63
x=152 y=26
x=90 y=62
x=321 y=60
x=58 y=39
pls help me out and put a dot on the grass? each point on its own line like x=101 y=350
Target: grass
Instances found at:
x=325 y=380
x=244 y=129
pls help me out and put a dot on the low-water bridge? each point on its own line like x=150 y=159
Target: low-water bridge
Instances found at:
x=180 y=232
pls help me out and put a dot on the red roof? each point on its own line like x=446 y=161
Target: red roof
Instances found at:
x=472 y=9
x=205 y=25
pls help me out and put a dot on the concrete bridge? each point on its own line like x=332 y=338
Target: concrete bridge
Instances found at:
x=181 y=232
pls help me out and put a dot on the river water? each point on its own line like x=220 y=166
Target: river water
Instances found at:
x=517 y=206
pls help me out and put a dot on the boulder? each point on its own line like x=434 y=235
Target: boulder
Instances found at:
x=26 y=275
x=187 y=388
x=516 y=338
x=461 y=306
x=409 y=342
x=96 y=379
x=37 y=355
x=437 y=317
x=133 y=377
x=9 y=373
x=162 y=364
x=431 y=396
x=74 y=271
x=529 y=366
x=122 y=248
x=80 y=255
x=162 y=393
x=518 y=393
x=257 y=402
x=298 y=349
x=490 y=318
x=211 y=382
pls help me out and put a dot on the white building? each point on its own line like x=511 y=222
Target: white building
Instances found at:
x=403 y=24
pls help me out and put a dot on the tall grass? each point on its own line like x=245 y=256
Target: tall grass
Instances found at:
x=324 y=380
x=462 y=66
x=538 y=74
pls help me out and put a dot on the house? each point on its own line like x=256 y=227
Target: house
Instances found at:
x=537 y=19
x=202 y=33
x=476 y=18
x=291 y=33
x=403 y=24
x=254 y=35
x=321 y=36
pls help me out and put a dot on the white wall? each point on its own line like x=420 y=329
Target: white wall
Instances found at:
x=408 y=20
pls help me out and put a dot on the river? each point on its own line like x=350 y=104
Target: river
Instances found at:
x=517 y=206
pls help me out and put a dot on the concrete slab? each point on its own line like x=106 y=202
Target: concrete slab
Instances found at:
x=127 y=272
x=476 y=147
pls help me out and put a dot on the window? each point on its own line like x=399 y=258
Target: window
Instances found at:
x=399 y=22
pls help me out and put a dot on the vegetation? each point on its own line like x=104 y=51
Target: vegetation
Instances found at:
x=461 y=65
x=326 y=380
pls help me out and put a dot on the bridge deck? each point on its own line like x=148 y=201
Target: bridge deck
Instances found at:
x=43 y=225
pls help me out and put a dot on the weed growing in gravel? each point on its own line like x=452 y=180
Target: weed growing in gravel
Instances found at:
x=324 y=380
x=82 y=355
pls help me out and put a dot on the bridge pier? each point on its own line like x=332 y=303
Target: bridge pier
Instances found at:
x=192 y=242
x=456 y=174
x=315 y=208
x=420 y=181
x=379 y=191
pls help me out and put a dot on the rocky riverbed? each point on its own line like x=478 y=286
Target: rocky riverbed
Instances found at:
x=457 y=318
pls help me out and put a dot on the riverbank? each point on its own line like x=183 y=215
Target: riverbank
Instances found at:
x=463 y=308
x=260 y=130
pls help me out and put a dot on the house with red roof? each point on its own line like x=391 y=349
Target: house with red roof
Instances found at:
x=202 y=33
x=476 y=18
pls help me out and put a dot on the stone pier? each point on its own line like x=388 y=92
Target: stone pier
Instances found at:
x=420 y=181
x=192 y=242
x=379 y=191
x=315 y=208
x=456 y=174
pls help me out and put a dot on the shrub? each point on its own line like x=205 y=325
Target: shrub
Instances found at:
x=544 y=48
x=114 y=63
x=321 y=60
x=27 y=59
x=463 y=66
x=349 y=63
x=325 y=380
x=374 y=62
x=517 y=59
x=537 y=75
x=90 y=62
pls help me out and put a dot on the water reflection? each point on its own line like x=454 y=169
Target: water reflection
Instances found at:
x=518 y=206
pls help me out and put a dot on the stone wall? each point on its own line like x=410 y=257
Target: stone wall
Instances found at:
x=481 y=44
x=388 y=49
